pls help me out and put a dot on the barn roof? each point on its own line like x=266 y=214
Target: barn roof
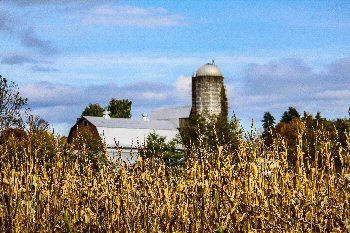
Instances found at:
x=131 y=123
x=172 y=113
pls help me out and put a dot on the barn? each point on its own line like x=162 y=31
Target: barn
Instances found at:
x=126 y=135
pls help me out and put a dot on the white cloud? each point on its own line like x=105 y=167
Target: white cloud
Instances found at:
x=338 y=94
x=276 y=85
x=60 y=103
x=49 y=94
x=133 y=16
x=183 y=87
x=154 y=96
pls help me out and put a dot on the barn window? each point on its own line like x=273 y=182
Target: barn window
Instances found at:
x=85 y=123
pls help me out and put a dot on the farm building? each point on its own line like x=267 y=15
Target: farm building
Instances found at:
x=128 y=134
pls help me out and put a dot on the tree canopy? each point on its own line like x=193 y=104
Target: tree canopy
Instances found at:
x=12 y=105
x=268 y=121
x=157 y=146
x=120 y=108
x=93 y=110
x=289 y=115
x=303 y=134
x=224 y=103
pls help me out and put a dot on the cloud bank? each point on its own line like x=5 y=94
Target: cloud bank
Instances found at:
x=61 y=103
x=133 y=16
x=276 y=85
x=271 y=86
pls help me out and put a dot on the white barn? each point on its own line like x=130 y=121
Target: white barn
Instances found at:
x=123 y=135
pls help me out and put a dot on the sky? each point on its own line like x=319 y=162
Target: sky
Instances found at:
x=67 y=54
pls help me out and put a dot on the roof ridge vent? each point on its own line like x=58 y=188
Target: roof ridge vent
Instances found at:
x=106 y=114
x=145 y=117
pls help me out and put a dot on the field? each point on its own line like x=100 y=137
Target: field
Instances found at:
x=54 y=188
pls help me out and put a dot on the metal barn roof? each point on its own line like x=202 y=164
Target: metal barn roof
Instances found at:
x=129 y=133
x=171 y=113
x=131 y=123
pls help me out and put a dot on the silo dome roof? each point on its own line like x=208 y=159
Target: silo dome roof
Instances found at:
x=209 y=69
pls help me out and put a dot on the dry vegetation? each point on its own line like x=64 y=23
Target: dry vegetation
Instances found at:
x=54 y=189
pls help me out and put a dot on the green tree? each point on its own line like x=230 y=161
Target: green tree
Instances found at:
x=11 y=105
x=193 y=131
x=224 y=103
x=93 y=110
x=268 y=121
x=289 y=115
x=120 y=108
x=268 y=125
x=91 y=149
x=215 y=132
x=156 y=146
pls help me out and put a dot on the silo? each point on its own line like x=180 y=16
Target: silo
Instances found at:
x=207 y=82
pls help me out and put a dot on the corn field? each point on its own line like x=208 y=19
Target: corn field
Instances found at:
x=253 y=190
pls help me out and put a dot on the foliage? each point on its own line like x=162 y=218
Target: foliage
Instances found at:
x=157 y=146
x=11 y=105
x=120 y=108
x=90 y=148
x=253 y=190
x=289 y=115
x=117 y=108
x=309 y=128
x=224 y=103
x=93 y=110
x=18 y=134
x=268 y=125
x=192 y=130
x=215 y=132
x=268 y=121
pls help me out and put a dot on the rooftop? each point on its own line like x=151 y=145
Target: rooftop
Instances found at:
x=171 y=113
x=131 y=123
x=209 y=69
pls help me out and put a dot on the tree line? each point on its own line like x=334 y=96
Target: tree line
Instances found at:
x=297 y=132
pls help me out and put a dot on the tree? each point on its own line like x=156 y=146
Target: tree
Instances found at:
x=18 y=134
x=268 y=124
x=224 y=103
x=91 y=149
x=307 y=132
x=193 y=130
x=268 y=121
x=213 y=133
x=120 y=108
x=38 y=124
x=11 y=105
x=157 y=146
x=289 y=115
x=93 y=110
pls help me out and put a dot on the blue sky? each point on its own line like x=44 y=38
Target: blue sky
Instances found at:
x=274 y=54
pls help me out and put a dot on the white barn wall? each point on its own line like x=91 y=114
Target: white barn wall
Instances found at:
x=131 y=138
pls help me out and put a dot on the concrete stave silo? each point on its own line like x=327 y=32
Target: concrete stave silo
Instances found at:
x=206 y=90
